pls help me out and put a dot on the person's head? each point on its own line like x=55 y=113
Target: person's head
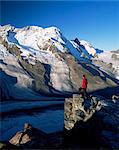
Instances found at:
x=83 y=76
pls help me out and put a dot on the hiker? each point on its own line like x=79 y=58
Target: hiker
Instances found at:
x=84 y=85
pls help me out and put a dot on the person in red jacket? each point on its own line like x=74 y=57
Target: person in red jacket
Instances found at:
x=84 y=85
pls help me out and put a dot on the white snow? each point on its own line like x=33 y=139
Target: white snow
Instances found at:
x=37 y=42
x=59 y=76
x=73 y=50
x=4 y=30
x=106 y=57
x=16 y=80
x=91 y=50
x=3 y=52
x=36 y=37
x=81 y=50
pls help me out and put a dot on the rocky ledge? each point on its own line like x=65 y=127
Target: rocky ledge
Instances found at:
x=79 y=109
x=91 y=122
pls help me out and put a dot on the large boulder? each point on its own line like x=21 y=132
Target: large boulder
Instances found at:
x=32 y=137
x=79 y=109
x=29 y=137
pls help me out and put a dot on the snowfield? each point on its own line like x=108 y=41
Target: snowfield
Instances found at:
x=32 y=40
x=46 y=45
x=90 y=49
x=37 y=37
x=107 y=57
x=13 y=77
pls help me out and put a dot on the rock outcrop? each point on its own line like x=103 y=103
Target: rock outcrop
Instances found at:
x=29 y=137
x=91 y=122
x=32 y=137
x=79 y=109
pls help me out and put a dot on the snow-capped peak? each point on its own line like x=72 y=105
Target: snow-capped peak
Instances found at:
x=4 y=30
x=37 y=37
x=52 y=29
x=6 y=27
x=48 y=46
x=91 y=50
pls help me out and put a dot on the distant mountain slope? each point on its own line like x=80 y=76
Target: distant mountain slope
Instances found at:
x=108 y=61
x=14 y=81
x=52 y=63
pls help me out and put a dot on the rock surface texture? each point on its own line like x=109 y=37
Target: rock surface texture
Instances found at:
x=91 y=122
x=79 y=109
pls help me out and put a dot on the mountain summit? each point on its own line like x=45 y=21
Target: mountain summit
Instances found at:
x=42 y=61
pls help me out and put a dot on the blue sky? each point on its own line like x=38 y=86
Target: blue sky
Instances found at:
x=94 y=21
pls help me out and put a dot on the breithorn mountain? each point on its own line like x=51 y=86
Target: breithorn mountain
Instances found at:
x=36 y=61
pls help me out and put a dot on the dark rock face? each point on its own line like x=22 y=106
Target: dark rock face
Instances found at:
x=77 y=41
x=95 y=127
x=38 y=73
x=4 y=88
x=115 y=57
x=110 y=121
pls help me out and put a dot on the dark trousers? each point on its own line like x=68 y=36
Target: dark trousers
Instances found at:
x=84 y=92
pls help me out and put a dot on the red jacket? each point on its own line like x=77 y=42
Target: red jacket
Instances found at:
x=84 y=83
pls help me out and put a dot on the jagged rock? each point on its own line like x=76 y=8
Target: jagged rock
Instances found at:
x=15 y=140
x=29 y=137
x=79 y=109
x=38 y=73
x=94 y=121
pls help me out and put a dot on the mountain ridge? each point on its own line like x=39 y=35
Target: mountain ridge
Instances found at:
x=54 y=63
